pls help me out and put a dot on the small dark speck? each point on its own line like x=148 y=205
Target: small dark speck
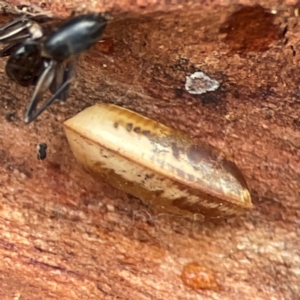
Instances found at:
x=116 y=124
x=137 y=129
x=10 y=117
x=178 y=92
x=284 y=31
x=296 y=123
x=269 y=115
x=209 y=98
x=9 y=102
x=149 y=176
x=193 y=69
x=39 y=248
x=56 y=166
x=293 y=50
x=41 y=151
x=101 y=289
x=129 y=127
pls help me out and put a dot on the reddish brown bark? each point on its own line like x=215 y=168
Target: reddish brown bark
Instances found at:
x=64 y=235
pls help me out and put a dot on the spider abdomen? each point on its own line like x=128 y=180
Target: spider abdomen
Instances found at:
x=25 y=64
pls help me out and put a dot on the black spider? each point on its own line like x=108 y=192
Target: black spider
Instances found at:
x=47 y=62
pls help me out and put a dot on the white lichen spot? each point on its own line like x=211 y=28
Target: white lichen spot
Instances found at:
x=199 y=83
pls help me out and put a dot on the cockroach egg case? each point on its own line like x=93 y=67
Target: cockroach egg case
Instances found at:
x=162 y=166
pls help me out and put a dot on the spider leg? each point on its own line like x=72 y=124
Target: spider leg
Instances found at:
x=69 y=74
x=32 y=113
x=58 y=79
x=42 y=86
x=62 y=75
x=12 y=23
x=20 y=29
x=8 y=50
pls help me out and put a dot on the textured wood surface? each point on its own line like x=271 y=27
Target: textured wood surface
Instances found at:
x=64 y=235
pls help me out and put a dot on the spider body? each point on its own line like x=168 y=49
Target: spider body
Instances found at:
x=74 y=36
x=48 y=62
